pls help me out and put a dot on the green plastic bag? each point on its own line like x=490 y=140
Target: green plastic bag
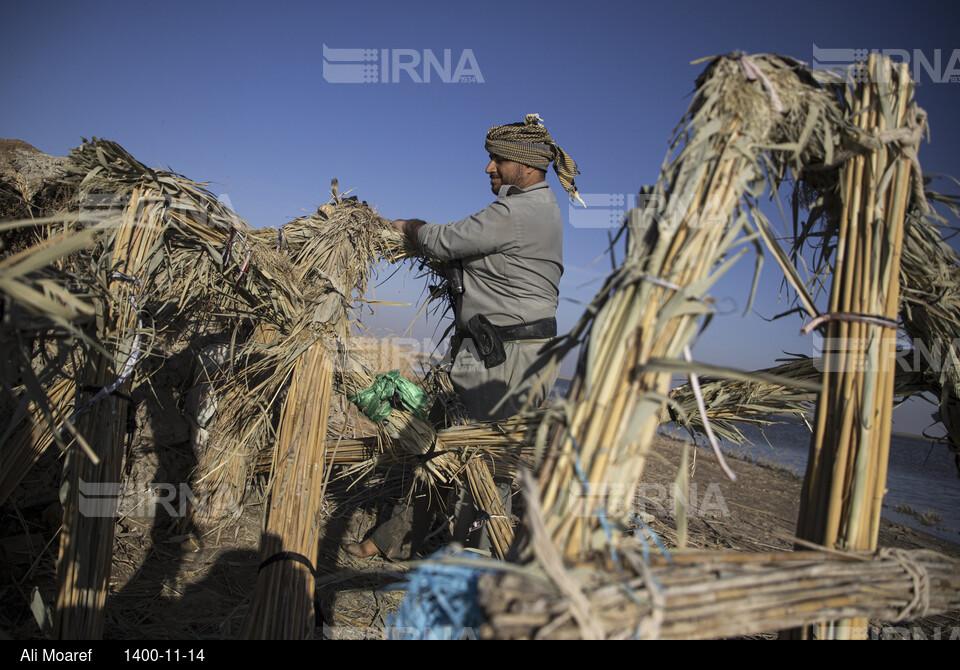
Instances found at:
x=388 y=391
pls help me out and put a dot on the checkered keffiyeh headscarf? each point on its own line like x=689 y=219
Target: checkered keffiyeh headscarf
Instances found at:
x=530 y=143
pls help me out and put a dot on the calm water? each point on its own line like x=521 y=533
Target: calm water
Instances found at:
x=921 y=474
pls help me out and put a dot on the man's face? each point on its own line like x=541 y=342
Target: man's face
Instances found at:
x=504 y=172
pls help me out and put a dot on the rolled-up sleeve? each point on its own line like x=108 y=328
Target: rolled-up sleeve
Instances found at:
x=491 y=230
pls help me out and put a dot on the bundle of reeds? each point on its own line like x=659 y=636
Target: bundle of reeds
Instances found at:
x=848 y=455
x=485 y=495
x=505 y=445
x=847 y=466
x=282 y=605
x=648 y=311
x=717 y=594
x=929 y=274
x=86 y=538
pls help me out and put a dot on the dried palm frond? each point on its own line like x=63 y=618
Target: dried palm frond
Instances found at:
x=764 y=397
x=930 y=308
x=790 y=390
x=46 y=322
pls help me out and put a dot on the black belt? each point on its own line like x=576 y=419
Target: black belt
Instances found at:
x=538 y=330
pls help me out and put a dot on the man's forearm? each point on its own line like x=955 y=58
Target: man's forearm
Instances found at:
x=409 y=227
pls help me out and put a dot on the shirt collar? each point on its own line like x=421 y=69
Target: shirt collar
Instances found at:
x=509 y=189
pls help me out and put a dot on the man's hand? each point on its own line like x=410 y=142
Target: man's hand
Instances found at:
x=408 y=227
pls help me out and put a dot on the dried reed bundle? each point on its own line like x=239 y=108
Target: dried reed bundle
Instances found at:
x=646 y=314
x=86 y=538
x=282 y=605
x=719 y=594
x=90 y=497
x=507 y=444
x=485 y=495
x=847 y=466
x=929 y=268
x=853 y=414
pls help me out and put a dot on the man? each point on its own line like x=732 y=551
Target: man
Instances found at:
x=509 y=257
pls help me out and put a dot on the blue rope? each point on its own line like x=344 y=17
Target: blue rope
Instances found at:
x=656 y=538
x=441 y=602
x=646 y=560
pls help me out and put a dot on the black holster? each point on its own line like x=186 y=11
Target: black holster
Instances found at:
x=487 y=340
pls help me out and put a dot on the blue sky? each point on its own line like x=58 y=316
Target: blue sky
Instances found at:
x=234 y=93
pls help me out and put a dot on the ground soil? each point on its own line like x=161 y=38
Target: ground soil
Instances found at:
x=171 y=580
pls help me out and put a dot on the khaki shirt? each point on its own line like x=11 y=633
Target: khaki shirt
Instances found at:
x=511 y=253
